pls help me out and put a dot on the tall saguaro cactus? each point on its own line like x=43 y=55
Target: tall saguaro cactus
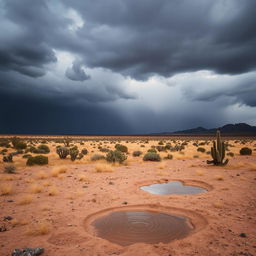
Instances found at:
x=218 y=151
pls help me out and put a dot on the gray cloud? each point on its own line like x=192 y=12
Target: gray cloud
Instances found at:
x=124 y=46
x=76 y=73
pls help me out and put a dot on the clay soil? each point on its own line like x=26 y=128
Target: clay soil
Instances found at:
x=52 y=206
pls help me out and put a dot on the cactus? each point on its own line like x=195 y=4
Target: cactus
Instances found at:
x=63 y=152
x=218 y=152
x=73 y=154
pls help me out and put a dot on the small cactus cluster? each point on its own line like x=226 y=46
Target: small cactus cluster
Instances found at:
x=218 y=152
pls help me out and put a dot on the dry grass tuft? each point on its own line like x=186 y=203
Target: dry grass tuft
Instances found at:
x=200 y=172
x=6 y=189
x=52 y=191
x=27 y=199
x=103 y=168
x=219 y=177
x=161 y=166
x=45 y=208
x=41 y=175
x=83 y=178
x=35 y=188
x=218 y=204
x=40 y=228
x=29 y=180
x=7 y=177
x=46 y=183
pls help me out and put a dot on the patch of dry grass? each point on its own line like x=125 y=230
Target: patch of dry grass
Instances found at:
x=200 y=172
x=83 y=178
x=27 y=199
x=57 y=170
x=162 y=165
x=252 y=167
x=40 y=228
x=46 y=183
x=103 y=168
x=41 y=175
x=35 y=188
x=6 y=189
x=218 y=204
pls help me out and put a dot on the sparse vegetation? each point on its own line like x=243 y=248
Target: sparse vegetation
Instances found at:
x=37 y=160
x=63 y=152
x=116 y=156
x=245 y=151
x=152 y=157
x=9 y=169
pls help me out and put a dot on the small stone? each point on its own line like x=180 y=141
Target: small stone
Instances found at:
x=243 y=235
x=85 y=186
x=3 y=229
x=125 y=202
x=10 y=201
x=111 y=183
x=8 y=217
x=28 y=252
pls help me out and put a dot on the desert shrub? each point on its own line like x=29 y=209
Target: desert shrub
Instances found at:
x=9 y=169
x=37 y=160
x=230 y=154
x=26 y=156
x=160 y=142
x=136 y=153
x=103 y=149
x=245 y=151
x=195 y=144
x=115 y=156
x=84 y=151
x=20 y=145
x=142 y=146
x=4 y=151
x=73 y=154
x=96 y=157
x=152 y=150
x=167 y=146
x=44 y=149
x=169 y=157
x=200 y=149
x=121 y=148
x=80 y=156
x=63 y=152
x=8 y=158
x=4 y=143
x=160 y=148
x=208 y=152
x=152 y=157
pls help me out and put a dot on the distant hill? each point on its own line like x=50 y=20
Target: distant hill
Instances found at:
x=228 y=129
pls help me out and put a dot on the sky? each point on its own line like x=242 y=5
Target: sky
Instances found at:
x=126 y=66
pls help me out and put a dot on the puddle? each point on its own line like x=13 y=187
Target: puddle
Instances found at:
x=141 y=226
x=174 y=187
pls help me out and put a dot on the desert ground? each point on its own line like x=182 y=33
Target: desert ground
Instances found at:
x=52 y=206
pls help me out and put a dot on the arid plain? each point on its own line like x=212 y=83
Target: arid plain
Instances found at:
x=52 y=206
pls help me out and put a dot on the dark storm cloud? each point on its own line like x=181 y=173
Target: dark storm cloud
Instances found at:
x=76 y=72
x=141 y=38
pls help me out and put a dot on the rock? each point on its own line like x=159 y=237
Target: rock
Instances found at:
x=8 y=217
x=125 y=202
x=243 y=235
x=111 y=183
x=28 y=252
x=3 y=229
x=10 y=201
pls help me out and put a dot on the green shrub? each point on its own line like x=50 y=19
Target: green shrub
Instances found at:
x=160 y=142
x=161 y=148
x=44 y=149
x=105 y=150
x=84 y=151
x=152 y=150
x=115 y=156
x=37 y=160
x=73 y=154
x=152 y=157
x=26 y=156
x=8 y=158
x=121 y=148
x=80 y=156
x=96 y=157
x=136 y=153
x=63 y=152
x=245 y=151
x=200 y=149
x=20 y=145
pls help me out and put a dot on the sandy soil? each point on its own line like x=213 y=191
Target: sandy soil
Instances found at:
x=57 y=217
